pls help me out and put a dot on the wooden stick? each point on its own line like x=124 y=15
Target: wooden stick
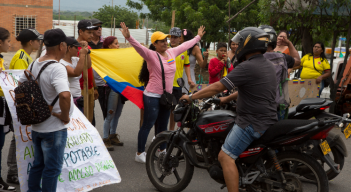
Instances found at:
x=240 y=11
x=173 y=18
x=85 y=89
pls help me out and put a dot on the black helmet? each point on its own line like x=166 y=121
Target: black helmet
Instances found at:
x=272 y=35
x=250 y=40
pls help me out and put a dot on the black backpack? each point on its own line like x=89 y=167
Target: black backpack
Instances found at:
x=31 y=106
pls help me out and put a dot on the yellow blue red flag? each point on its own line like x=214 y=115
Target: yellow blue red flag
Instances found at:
x=120 y=69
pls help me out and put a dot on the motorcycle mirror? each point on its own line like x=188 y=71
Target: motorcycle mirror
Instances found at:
x=180 y=82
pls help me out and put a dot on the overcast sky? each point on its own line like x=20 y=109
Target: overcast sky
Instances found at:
x=89 y=5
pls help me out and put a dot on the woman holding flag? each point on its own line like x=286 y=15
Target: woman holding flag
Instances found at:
x=153 y=111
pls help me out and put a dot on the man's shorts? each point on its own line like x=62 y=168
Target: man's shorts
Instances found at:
x=238 y=139
x=177 y=92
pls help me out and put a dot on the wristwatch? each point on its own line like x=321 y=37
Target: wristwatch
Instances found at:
x=191 y=100
x=95 y=88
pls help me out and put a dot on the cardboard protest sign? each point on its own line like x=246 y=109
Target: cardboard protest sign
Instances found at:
x=87 y=163
x=302 y=89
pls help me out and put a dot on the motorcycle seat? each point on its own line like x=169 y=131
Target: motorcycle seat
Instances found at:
x=279 y=129
x=308 y=102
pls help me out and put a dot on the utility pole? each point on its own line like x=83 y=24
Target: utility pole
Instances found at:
x=112 y=17
x=74 y=26
x=59 y=12
x=229 y=26
x=114 y=26
x=147 y=31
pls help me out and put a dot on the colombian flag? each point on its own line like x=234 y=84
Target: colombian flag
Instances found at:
x=120 y=69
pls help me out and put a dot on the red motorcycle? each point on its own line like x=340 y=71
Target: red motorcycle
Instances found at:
x=171 y=157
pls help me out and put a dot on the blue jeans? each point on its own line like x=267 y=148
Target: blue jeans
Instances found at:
x=321 y=87
x=238 y=139
x=2 y=141
x=281 y=114
x=153 y=112
x=114 y=110
x=48 y=160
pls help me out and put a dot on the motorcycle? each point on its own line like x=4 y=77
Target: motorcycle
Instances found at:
x=315 y=107
x=307 y=109
x=171 y=157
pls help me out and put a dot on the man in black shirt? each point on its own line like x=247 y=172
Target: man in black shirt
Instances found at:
x=256 y=82
x=96 y=42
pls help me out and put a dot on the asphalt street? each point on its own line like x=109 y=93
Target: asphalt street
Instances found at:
x=133 y=174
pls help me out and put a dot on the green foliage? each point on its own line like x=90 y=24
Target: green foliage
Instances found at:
x=121 y=14
x=310 y=20
x=69 y=15
x=191 y=14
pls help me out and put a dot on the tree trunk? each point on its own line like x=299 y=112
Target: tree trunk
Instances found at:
x=307 y=41
x=333 y=86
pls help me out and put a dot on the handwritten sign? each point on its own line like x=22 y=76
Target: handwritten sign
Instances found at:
x=86 y=161
x=302 y=89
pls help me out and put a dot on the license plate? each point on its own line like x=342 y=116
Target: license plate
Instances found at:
x=325 y=147
x=347 y=131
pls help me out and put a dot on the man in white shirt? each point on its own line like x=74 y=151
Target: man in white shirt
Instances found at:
x=49 y=137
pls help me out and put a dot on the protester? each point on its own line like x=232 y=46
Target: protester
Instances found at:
x=316 y=66
x=115 y=105
x=30 y=41
x=194 y=55
x=86 y=31
x=219 y=66
x=256 y=110
x=53 y=82
x=103 y=90
x=282 y=46
x=74 y=66
x=291 y=62
x=154 y=89
x=4 y=47
x=231 y=54
x=182 y=64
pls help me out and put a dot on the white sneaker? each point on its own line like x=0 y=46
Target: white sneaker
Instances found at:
x=140 y=158
x=153 y=139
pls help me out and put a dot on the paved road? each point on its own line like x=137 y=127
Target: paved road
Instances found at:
x=134 y=177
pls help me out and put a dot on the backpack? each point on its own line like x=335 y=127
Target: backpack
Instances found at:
x=281 y=71
x=31 y=106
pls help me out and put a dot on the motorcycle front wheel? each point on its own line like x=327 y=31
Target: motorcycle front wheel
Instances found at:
x=175 y=175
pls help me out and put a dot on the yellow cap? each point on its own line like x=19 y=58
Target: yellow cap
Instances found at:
x=158 y=35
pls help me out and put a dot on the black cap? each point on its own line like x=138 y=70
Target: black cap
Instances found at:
x=175 y=31
x=72 y=42
x=54 y=37
x=86 y=24
x=29 y=34
x=96 y=21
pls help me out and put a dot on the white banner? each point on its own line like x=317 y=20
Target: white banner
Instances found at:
x=86 y=165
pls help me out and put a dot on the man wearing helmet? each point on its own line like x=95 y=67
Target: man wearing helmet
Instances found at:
x=256 y=107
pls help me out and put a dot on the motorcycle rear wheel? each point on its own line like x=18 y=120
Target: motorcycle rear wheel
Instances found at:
x=299 y=165
x=153 y=165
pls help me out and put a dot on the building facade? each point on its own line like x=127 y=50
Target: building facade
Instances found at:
x=16 y=15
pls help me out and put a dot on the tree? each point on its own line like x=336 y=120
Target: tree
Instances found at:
x=308 y=20
x=69 y=15
x=191 y=14
x=121 y=14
